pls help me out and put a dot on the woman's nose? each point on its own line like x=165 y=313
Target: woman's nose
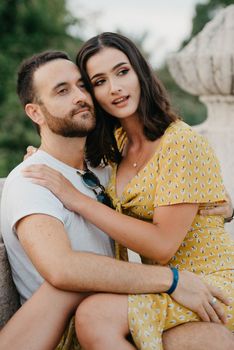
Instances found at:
x=115 y=87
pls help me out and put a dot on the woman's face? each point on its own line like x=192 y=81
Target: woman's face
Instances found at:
x=116 y=85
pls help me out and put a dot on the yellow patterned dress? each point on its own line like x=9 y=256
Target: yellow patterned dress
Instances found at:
x=183 y=170
x=69 y=339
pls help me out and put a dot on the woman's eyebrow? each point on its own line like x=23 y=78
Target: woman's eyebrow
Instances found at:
x=116 y=66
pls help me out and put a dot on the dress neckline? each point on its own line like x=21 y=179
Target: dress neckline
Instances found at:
x=144 y=166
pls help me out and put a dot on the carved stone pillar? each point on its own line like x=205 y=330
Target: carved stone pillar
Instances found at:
x=205 y=67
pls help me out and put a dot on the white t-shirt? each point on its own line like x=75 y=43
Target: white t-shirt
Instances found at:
x=21 y=197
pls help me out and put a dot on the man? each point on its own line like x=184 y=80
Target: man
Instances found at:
x=45 y=241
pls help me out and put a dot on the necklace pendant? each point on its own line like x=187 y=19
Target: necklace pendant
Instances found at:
x=134 y=165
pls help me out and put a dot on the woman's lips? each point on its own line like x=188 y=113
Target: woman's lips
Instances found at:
x=120 y=100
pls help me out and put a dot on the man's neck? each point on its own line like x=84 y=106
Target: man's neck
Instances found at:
x=69 y=150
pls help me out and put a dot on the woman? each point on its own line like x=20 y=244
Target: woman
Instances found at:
x=164 y=174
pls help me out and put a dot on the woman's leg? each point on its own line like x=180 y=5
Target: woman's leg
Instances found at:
x=102 y=323
x=40 y=322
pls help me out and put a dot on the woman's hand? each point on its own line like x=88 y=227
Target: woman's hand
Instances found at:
x=30 y=151
x=225 y=209
x=204 y=299
x=52 y=179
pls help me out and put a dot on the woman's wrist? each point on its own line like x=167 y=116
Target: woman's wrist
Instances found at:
x=81 y=202
x=76 y=201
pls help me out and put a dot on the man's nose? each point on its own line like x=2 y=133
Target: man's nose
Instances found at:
x=79 y=96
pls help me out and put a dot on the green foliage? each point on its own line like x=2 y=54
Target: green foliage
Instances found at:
x=203 y=14
x=27 y=27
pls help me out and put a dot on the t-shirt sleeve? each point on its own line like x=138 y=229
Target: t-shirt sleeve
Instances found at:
x=23 y=198
x=189 y=171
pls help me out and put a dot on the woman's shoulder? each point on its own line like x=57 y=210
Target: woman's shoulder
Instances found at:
x=179 y=127
x=180 y=132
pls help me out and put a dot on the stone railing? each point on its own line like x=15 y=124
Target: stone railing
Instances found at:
x=9 y=300
x=205 y=68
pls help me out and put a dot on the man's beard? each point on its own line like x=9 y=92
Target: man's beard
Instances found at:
x=68 y=126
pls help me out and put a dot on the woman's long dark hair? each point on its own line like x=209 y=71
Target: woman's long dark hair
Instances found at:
x=154 y=106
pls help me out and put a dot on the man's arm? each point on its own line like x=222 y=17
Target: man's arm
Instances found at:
x=48 y=247
x=46 y=243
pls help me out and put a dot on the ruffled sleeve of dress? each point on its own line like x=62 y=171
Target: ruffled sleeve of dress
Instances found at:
x=189 y=171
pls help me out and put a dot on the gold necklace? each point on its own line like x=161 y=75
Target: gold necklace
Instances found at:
x=137 y=164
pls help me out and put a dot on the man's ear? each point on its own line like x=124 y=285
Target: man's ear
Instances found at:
x=33 y=111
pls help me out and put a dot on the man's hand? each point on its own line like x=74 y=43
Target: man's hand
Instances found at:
x=204 y=299
x=225 y=209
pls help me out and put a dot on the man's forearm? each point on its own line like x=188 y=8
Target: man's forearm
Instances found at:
x=47 y=245
x=91 y=272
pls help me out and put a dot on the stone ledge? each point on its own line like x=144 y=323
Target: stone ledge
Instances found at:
x=9 y=299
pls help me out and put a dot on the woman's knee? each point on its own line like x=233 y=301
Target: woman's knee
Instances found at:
x=100 y=313
x=85 y=314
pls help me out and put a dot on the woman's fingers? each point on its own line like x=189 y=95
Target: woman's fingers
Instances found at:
x=219 y=294
x=45 y=176
x=197 y=295
x=212 y=313
x=39 y=171
x=202 y=313
x=214 y=307
x=218 y=308
x=30 y=150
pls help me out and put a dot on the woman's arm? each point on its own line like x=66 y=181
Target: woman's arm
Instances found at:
x=225 y=209
x=158 y=240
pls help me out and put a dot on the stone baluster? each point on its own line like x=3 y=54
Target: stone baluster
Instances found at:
x=205 y=67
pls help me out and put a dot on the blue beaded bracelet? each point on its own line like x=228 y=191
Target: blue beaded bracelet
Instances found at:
x=175 y=280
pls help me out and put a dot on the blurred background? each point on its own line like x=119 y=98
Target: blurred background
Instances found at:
x=158 y=27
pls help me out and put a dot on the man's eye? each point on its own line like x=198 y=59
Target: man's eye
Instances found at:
x=82 y=86
x=62 y=91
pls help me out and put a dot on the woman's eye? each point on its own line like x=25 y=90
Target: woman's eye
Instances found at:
x=123 y=71
x=99 y=82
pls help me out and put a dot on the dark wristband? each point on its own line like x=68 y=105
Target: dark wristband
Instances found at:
x=175 y=280
x=230 y=218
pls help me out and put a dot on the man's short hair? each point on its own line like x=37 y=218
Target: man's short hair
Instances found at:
x=25 y=88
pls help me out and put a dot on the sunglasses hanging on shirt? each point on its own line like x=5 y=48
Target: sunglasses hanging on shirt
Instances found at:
x=91 y=181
